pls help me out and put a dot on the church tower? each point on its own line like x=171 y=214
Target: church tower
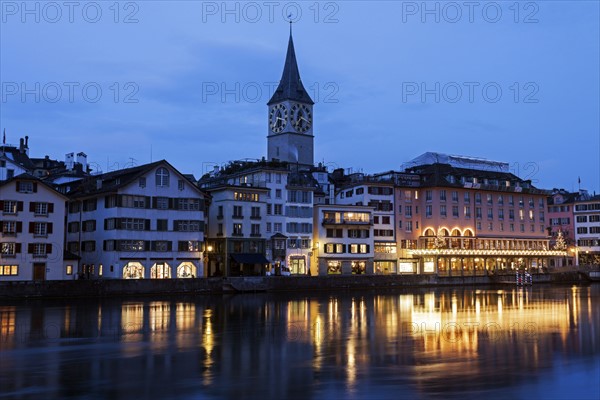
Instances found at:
x=290 y=135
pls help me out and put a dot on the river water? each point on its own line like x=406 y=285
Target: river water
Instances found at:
x=502 y=342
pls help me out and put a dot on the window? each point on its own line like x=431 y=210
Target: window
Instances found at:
x=89 y=225
x=490 y=200
x=428 y=211
x=385 y=220
x=134 y=224
x=582 y=218
x=442 y=195
x=500 y=200
x=255 y=230
x=40 y=229
x=9 y=249
x=12 y=207
x=582 y=229
x=501 y=214
x=454 y=196
x=40 y=208
x=162 y=177
x=219 y=229
x=511 y=215
x=132 y=245
x=336 y=233
x=467 y=211
x=8 y=270
x=89 y=205
x=269 y=227
x=278 y=209
x=443 y=210
x=269 y=209
x=161 y=246
x=188 y=226
x=142 y=182
x=237 y=230
x=277 y=226
x=511 y=200
x=478 y=212
x=477 y=198
x=180 y=184
x=189 y=245
x=237 y=212
x=334 y=248
x=278 y=193
x=490 y=213
x=162 y=203
x=10 y=228
x=408 y=211
x=359 y=248
x=255 y=213
x=243 y=196
x=467 y=197
x=26 y=187
x=428 y=195
x=188 y=204
x=388 y=248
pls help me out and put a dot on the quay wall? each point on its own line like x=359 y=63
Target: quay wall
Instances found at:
x=147 y=287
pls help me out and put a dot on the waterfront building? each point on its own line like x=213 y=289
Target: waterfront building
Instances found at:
x=236 y=231
x=343 y=240
x=32 y=224
x=283 y=197
x=587 y=230
x=376 y=192
x=141 y=222
x=474 y=217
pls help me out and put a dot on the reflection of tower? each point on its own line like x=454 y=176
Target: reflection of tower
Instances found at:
x=290 y=137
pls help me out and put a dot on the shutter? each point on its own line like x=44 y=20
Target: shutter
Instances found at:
x=148 y=202
x=171 y=207
x=30 y=248
x=17 y=248
x=1 y=205
x=48 y=248
x=34 y=187
x=104 y=245
x=49 y=227
x=105 y=224
x=119 y=200
x=19 y=226
x=118 y=223
x=94 y=225
x=153 y=245
x=147 y=222
x=368 y=248
x=147 y=245
x=32 y=206
x=106 y=201
x=19 y=206
x=343 y=248
x=31 y=227
x=169 y=246
x=17 y=187
x=154 y=202
x=50 y=208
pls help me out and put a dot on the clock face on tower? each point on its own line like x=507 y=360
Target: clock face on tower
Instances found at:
x=301 y=118
x=278 y=118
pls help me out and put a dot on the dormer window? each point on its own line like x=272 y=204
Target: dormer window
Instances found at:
x=162 y=177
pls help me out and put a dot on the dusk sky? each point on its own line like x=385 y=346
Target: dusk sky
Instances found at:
x=188 y=81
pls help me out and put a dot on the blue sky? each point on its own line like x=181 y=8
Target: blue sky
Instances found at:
x=188 y=81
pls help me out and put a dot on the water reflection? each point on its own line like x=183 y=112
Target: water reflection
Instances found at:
x=422 y=343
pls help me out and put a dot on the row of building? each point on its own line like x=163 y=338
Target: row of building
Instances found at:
x=443 y=214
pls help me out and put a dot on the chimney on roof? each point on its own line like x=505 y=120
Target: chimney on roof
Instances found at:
x=82 y=159
x=21 y=145
x=69 y=160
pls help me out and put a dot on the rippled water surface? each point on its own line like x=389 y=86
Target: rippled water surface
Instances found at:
x=540 y=342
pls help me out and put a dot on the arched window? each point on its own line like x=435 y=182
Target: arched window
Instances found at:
x=455 y=232
x=444 y=232
x=428 y=232
x=186 y=270
x=133 y=270
x=468 y=232
x=162 y=177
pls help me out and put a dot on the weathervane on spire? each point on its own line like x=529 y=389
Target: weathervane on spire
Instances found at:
x=291 y=22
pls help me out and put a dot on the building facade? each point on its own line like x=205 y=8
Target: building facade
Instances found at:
x=587 y=230
x=32 y=224
x=145 y=222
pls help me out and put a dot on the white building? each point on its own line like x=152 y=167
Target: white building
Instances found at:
x=343 y=240
x=32 y=231
x=142 y=222
x=587 y=230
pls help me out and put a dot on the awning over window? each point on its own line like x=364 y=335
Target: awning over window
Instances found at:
x=250 y=258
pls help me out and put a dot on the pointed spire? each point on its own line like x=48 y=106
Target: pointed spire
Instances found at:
x=290 y=87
